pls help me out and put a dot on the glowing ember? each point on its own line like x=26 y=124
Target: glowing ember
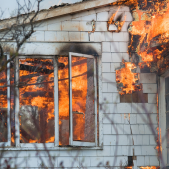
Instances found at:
x=129 y=167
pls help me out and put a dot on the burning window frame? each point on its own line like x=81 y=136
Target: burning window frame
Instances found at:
x=163 y=133
x=80 y=143
x=56 y=105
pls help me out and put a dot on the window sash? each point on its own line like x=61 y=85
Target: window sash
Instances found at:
x=56 y=114
x=81 y=143
x=56 y=102
x=8 y=143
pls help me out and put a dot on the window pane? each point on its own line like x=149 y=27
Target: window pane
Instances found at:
x=167 y=114
x=12 y=102
x=63 y=82
x=83 y=99
x=36 y=96
x=167 y=155
x=167 y=102
x=167 y=85
x=167 y=137
x=3 y=103
x=167 y=120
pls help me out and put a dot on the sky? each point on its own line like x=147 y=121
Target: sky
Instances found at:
x=8 y=7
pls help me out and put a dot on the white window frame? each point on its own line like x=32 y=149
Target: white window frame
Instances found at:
x=56 y=107
x=162 y=119
x=8 y=143
x=81 y=143
x=56 y=114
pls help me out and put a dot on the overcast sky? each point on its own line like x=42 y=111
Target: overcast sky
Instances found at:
x=9 y=6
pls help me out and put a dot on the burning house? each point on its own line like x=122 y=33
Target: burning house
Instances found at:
x=89 y=88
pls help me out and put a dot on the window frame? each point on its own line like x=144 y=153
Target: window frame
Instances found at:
x=81 y=143
x=8 y=143
x=162 y=119
x=56 y=107
x=17 y=124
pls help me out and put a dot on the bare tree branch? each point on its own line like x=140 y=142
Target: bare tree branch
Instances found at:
x=21 y=30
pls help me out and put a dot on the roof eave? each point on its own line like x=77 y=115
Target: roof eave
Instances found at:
x=60 y=11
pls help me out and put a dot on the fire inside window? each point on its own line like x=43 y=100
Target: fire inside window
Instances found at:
x=4 y=102
x=55 y=101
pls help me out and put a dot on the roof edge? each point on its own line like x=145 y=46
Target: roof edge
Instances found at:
x=60 y=11
x=74 y=8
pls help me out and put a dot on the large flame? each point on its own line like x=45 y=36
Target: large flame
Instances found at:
x=149 y=43
x=149 y=33
x=152 y=30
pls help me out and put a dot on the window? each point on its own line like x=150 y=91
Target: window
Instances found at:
x=56 y=101
x=5 y=137
x=164 y=117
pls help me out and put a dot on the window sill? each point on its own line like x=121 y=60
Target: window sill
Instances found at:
x=51 y=148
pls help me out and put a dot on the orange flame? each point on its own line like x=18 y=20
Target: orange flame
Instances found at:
x=119 y=24
x=127 y=78
x=79 y=87
x=44 y=102
x=3 y=97
x=149 y=34
x=152 y=167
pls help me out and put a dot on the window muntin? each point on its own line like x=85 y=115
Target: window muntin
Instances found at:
x=62 y=117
